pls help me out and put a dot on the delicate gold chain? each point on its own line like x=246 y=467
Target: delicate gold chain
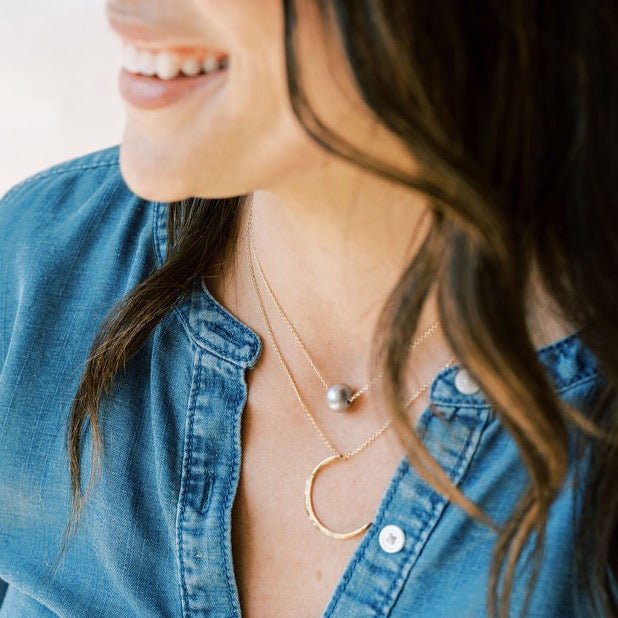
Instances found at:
x=326 y=441
x=420 y=339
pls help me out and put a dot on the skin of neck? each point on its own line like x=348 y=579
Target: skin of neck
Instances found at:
x=333 y=242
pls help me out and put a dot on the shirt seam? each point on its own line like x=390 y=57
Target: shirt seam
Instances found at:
x=226 y=505
x=578 y=381
x=27 y=182
x=186 y=471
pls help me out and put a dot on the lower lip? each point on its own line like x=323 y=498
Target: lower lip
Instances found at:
x=154 y=93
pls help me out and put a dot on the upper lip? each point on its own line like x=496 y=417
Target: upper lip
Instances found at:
x=138 y=34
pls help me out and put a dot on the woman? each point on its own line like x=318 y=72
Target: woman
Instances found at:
x=333 y=331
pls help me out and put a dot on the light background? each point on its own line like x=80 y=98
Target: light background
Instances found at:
x=59 y=63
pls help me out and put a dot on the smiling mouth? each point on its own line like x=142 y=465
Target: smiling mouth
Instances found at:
x=172 y=64
x=151 y=92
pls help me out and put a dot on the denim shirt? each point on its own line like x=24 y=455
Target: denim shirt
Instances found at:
x=155 y=536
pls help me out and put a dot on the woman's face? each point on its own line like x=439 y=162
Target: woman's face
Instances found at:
x=238 y=138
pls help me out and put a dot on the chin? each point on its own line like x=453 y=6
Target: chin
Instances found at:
x=143 y=172
x=155 y=176
x=167 y=175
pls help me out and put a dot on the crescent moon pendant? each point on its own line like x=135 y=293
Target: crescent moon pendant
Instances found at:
x=309 y=505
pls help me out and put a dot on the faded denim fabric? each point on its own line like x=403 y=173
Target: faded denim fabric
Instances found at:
x=155 y=537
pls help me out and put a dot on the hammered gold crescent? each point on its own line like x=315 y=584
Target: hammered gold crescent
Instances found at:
x=309 y=505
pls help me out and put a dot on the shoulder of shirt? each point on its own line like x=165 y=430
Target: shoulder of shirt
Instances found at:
x=44 y=201
x=82 y=166
x=54 y=203
x=69 y=212
x=75 y=239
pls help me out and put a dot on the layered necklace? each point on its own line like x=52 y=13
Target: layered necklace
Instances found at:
x=339 y=396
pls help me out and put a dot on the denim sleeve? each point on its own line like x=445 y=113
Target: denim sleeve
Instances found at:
x=3 y=588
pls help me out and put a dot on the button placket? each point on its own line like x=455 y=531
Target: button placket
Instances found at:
x=407 y=515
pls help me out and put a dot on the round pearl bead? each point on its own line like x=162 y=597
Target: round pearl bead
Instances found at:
x=338 y=397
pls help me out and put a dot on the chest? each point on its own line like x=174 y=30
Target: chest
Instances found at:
x=284 y=566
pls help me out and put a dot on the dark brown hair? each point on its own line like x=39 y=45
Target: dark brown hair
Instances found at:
x=510 y=107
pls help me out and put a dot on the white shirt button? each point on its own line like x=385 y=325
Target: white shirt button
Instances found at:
x=465 y=384
x=392 y=539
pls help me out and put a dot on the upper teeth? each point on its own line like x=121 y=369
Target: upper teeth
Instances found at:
x=166 y=64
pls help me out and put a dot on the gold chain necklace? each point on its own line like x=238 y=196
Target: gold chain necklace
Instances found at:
x=337 y=455
x=339 y=396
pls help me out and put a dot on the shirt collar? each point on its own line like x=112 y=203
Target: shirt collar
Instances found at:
x=210 y=325
x=567 y=363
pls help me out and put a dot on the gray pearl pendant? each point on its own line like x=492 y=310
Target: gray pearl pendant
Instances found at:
x=338 y=397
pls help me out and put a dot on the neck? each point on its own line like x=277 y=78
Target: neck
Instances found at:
x=332 y=249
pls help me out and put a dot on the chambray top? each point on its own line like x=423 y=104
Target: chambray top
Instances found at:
x=155 y=538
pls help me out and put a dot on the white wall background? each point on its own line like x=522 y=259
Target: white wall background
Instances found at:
x=59 y=63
